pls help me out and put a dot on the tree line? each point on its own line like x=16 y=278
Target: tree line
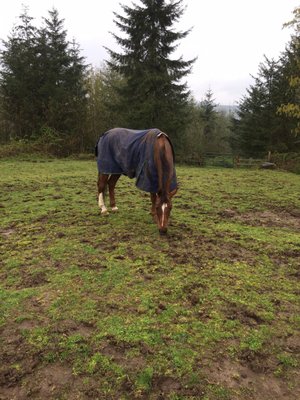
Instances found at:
x=50 y=96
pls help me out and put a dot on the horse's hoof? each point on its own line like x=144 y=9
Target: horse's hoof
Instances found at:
x=104 y=212
x=114 y=209
x=163 y=232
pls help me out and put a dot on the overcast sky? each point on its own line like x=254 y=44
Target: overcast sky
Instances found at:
x=229 y=37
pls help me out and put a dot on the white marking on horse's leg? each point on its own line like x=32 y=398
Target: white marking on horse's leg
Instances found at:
x=115 y=208
x=163 y=207
x=101 y=204
x=101 y=200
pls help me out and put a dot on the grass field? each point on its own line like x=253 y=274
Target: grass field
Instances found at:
x=102 y=307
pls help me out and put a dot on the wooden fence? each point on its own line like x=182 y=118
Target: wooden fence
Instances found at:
x=228 y=160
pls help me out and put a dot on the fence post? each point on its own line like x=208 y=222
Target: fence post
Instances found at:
x=237 y=161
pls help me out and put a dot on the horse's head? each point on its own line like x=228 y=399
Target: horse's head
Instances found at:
x=163 y=208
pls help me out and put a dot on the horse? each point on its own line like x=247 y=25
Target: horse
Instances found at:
x=146 y=155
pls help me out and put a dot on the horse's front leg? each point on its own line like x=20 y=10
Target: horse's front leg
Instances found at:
x=102 y=181
x=113 y=179
x=153 y=208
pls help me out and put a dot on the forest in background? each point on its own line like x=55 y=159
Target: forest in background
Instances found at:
x=51 y=101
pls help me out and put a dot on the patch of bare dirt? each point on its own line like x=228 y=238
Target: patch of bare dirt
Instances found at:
x=249 y=384
x=49 y=382
x=118 y=355
x=52 y=380
x=7 y=232
x=23 y=375
x=290 y=345
x=17 y=362
x=268 y=218
x=242 y=314
x=16 y=393
x=201 y=249
x=12 y=345
x=72 y=327
x=258 y=362
x=165 y=385
x=28 y=324
x=33 y=280
x=118 y=352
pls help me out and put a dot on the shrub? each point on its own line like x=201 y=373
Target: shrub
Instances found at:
x=287 y=161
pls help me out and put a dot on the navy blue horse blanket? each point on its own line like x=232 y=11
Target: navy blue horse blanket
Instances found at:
x=131 y=153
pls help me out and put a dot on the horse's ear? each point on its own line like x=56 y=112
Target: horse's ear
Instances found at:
x=173 y=193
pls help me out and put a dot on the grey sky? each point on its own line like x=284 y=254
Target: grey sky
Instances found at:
x=229 y=37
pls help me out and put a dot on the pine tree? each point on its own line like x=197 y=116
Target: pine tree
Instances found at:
x=258 y=127
x=17 y=78
x=62 y=77
x=291 y=108
x=154 y=95
x=42 y=80
x=208 y=115
x=102 y=96
x=249 y=136
x=207 y=131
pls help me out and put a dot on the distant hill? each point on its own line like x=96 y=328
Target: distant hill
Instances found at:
x=227 y=109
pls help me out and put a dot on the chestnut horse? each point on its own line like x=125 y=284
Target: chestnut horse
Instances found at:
x=145 y=155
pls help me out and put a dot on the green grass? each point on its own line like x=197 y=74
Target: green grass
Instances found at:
x=132 y=315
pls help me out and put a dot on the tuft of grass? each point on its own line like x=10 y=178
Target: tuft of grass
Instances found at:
x=144 y=380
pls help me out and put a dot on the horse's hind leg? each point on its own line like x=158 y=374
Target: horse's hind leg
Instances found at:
x=113 y=179
x=102 y=181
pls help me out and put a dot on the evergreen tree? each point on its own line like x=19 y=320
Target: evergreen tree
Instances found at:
x=154 y=95
x=249 y=137
x=17 y=78
x=42 y=80
x=291 y=107
x=193 y=146
x=62 y=72
x=258 y=128
x=207 y=131
x=208 y=115
x=102 y=87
